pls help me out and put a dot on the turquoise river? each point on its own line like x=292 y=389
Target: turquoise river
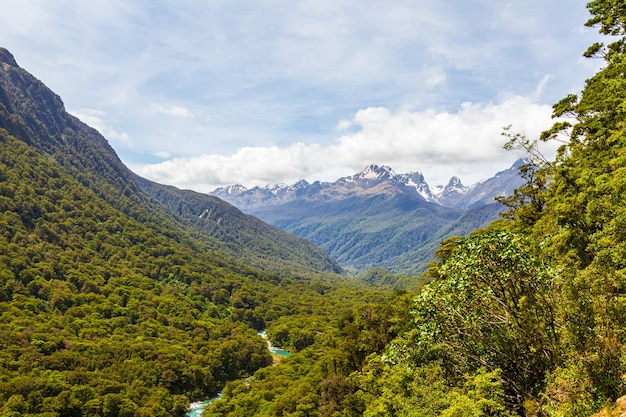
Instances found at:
x=196 y=409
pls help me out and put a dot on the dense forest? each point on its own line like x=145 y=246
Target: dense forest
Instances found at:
x=113 y=302
x=103 y=315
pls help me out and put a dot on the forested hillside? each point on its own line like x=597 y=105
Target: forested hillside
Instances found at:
x=528 y=316
x=249 y=238
x=35 y=115
x=114 y=304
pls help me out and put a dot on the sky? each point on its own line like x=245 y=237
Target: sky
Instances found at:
x=202 y=94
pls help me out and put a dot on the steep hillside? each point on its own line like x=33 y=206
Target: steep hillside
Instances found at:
x=471 y=220
x=97 y=305
x=251 y=239
x=34 y=114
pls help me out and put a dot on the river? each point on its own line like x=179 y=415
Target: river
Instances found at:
x=196 y=408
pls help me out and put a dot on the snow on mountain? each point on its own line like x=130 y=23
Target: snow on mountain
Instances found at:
x=377 y=217
x=375 y=179
x=416 y=181
x=232 y=189
x=455 y=186
x=375 y=172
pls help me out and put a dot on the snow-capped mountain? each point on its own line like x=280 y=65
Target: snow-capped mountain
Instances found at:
x=375 y=179
x=377 y=217
x=233 y=189
x=374 y=173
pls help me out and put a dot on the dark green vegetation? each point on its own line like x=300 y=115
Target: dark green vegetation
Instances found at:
x=525 y=317
x=252 y=240
x=114 y=304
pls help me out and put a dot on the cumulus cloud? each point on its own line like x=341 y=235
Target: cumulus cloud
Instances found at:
x=466 y=143
x=472 y=134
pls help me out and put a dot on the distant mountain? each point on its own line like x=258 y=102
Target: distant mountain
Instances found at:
x=372 y=180
x=376 y=217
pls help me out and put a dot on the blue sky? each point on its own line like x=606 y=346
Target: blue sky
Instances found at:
x=201 y=94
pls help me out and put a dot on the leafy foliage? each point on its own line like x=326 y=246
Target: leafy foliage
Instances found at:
x=491 y=307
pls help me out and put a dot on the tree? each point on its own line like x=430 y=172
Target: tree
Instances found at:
x=491 y=307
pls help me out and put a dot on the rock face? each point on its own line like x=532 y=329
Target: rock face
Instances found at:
x=6 y=58
x=376 y=217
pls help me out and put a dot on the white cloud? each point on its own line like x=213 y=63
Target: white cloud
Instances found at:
x=226 y=78
x=466 y=143
x=172 y=110
x=163 y=154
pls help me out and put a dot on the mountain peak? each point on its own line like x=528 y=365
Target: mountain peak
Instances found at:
x=454 y=187
x=6 y=58
x=235 y=189
x=299 y=185
x=376 y=172
x=455 y=182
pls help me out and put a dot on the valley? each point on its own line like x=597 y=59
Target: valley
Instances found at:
x=123 y=297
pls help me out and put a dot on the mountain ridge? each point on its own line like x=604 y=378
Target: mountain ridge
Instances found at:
x=375 y=179
x=37 y=116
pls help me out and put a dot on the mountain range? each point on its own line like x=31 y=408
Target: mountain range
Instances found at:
x=376 y=217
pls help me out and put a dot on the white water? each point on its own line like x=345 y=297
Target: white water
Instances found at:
x=196 y=408
x=272 y=349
